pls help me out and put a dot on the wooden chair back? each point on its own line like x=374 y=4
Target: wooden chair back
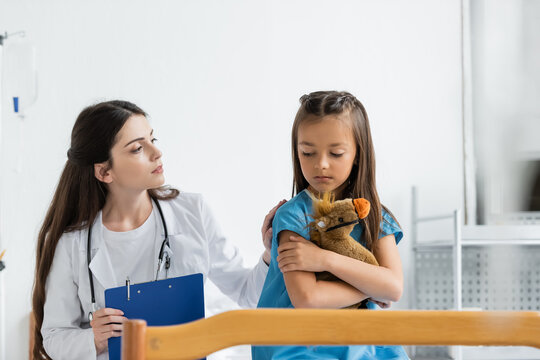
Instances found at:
x=329 y=327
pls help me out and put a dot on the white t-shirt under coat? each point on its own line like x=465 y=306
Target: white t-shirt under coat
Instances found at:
x=132 y=245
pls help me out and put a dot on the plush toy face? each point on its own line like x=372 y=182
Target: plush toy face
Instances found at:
x=337 y=216
x=343 y=216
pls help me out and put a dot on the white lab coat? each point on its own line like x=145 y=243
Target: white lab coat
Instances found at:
x=196 y=246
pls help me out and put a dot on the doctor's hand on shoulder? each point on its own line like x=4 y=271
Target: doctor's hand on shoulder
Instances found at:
x=106 y=323
x=266 y=231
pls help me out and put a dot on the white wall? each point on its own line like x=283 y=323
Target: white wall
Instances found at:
x=221 y=81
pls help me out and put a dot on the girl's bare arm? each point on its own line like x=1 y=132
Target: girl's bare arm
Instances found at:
x=306 y=292
x=383 y=283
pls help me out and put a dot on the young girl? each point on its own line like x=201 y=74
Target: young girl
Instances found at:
x=332 y=152
x=107 y=221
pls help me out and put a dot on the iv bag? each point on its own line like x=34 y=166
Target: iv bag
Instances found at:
x=20 y=75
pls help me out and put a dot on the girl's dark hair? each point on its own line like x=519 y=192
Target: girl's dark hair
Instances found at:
x=79 y=195
x=361 y=181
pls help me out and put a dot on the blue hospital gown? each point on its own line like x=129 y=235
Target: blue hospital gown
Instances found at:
x=294 y=216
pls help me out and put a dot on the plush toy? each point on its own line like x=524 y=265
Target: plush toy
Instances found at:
x=332 y=223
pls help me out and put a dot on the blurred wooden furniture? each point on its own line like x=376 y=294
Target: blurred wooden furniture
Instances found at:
x=331 y=327
x=32 y=325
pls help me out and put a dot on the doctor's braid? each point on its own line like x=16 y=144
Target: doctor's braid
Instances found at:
x=79 y=195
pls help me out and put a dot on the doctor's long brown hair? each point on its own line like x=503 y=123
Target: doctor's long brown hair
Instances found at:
x=361 y=181
x=79 y=195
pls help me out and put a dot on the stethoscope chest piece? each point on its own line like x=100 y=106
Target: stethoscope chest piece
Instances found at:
x=91 y=313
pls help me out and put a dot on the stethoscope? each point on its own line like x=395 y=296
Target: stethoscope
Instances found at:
x=162 y=253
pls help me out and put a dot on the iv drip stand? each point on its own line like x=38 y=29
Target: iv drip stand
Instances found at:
x=3 y=37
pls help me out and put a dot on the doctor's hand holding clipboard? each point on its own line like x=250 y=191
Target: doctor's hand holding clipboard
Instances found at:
x=107 y=323
x=112 y=218
x=164 y=302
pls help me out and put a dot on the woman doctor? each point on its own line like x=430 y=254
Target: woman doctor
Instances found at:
x=112 y=186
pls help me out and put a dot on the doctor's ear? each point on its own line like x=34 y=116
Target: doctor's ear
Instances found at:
x=101 y=172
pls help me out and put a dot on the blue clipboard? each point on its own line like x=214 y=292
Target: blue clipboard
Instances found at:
x=164 y=302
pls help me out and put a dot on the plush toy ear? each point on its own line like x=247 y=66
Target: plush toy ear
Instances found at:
x=362 y=207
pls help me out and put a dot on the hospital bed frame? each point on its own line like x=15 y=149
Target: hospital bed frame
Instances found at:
x=330 y=327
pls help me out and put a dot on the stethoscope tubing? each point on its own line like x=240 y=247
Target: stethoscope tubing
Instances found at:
x=160 y=257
